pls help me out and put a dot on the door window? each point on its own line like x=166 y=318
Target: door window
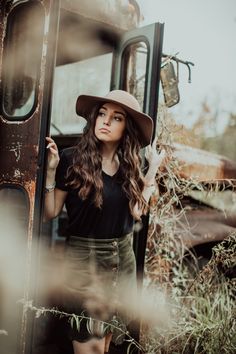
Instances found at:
x=21 y=60
x=91 y=76
x=135 y=64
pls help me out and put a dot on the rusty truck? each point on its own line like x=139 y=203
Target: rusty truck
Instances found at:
x=50 y=52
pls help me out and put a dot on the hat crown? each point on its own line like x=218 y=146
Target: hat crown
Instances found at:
x=124 y=98
x=128 y=102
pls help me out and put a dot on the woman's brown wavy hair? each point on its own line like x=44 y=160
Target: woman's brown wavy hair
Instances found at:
x=86 y=171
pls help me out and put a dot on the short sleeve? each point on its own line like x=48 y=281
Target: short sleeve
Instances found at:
x=61 y=172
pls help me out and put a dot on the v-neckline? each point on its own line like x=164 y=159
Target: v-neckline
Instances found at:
x=110 y=175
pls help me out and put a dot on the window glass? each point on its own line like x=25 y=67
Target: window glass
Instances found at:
x=21 y=61
x=134 y=76
x=91 y=76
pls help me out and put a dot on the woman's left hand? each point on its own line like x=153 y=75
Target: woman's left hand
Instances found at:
x=155 y=159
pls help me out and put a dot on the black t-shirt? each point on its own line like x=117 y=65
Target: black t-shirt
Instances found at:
x=112 y=220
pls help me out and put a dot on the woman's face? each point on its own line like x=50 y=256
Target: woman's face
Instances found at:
x=110 y=123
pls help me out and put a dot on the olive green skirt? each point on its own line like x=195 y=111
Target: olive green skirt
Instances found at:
x=100 y=283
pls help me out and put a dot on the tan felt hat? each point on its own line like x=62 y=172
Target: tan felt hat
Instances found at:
x=128 y=102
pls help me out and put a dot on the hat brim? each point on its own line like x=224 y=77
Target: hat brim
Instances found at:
x=144 y=122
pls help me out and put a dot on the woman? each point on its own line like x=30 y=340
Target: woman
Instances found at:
x=101 y=183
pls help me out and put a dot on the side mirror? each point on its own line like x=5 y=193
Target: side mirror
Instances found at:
x=169 y=84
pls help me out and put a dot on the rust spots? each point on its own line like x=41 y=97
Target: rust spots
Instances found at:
x=203 y=165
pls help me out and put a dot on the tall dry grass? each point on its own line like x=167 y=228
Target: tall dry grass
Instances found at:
x=202 y=303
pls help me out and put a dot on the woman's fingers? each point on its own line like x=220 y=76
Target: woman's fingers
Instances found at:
x=147 y=151
x=52 y=145
x=154 y=143
x=162 y=154
x=51 y=142
x=160 y=157
x=53 y=151
x=154 y=157
x=53 y=156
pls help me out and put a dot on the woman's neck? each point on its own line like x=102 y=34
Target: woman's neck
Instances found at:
x=109 y=153
x=110 y=161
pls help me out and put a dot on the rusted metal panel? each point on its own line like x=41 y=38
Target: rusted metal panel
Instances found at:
x=204 y=225
x=123 y=15
x=19 y=148
x=19 y=152
x=202 y=165
x=89 y=29
x=2 y=31
x=19 y=139
x=209 y=216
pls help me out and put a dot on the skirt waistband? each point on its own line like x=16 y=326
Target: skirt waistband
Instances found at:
x=88 y=241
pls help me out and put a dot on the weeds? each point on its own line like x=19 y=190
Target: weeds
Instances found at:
x=75 y=321
x=202 y=303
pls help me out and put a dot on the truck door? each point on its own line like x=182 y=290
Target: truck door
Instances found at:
x=137 y=63
x=29 y=32
x=26 y=57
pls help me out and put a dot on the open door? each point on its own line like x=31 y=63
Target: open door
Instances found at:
x=137 y=64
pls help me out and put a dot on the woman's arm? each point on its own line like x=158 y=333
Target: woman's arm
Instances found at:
x=54 y=197
x=155 y=160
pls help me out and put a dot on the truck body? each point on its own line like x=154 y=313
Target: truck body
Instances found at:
x=50 y=52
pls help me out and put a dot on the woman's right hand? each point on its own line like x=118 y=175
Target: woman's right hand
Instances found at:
x=53 y=155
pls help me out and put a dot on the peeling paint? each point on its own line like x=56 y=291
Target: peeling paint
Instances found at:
x=17 y=173
x=17 y=150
